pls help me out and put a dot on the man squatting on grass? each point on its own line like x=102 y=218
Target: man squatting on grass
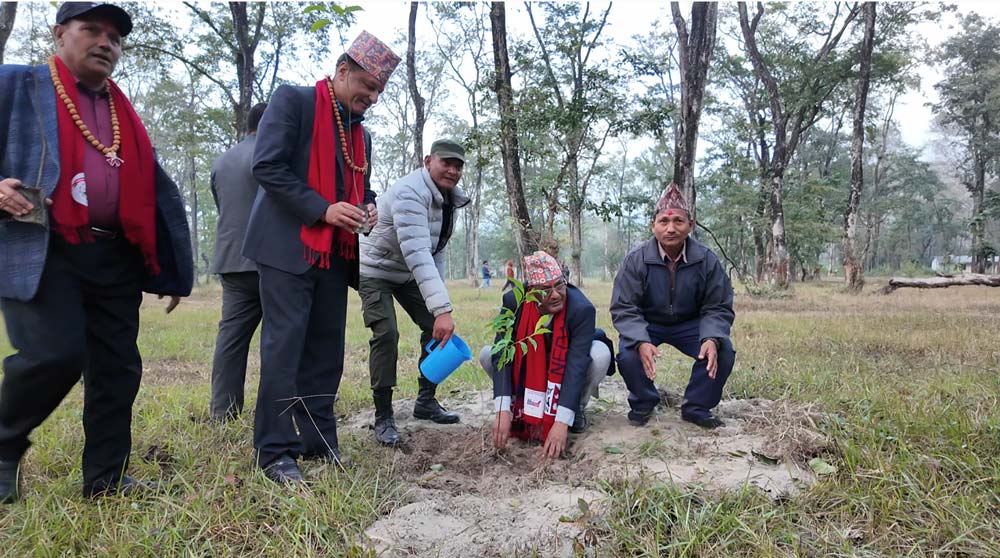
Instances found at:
x=542 y=394
x=404 y=258
x=672 y=289
x=102 y=224
x=312 y=160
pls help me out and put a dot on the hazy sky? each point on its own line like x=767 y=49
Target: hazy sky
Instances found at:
x=387 y=19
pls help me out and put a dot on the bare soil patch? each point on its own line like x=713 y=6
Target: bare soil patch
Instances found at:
x=466 y=499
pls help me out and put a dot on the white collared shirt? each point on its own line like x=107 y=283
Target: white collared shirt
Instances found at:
x=683 y=257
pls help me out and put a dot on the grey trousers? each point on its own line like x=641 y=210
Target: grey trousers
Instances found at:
x=380 y=316
x=241 y=314
x=600 y=359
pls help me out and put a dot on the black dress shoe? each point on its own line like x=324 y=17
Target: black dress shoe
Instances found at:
x=579 y=423
x=639 y=419
x=126 y=486
x=330 y=456
x=8 y=481
x=430 y=409
x=707 y=422
x=386 y=432
x=283 y=470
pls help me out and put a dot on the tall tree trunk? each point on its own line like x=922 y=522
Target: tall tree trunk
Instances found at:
x=834 y=147
x=695 y=53
x=576 y=203
x=778 y=262
x=873 y=222
x=193 y=188
x=787 y=126
x=524 y=234
x=760 y=245
x=246 y=68
x=8 y=10
x=473 y=213
x=854 y=271
x=978 y=225
x=411 y=78
x=605 y=272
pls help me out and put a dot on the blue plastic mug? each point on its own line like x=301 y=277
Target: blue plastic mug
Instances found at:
x=442 y=361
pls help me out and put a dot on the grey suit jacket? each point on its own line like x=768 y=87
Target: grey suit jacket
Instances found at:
x=285 y=201
x=234 y=189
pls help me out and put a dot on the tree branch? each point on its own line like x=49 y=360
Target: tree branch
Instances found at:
x=600 y=29
x=545 y=56
x=204 y=16
x=193 y=66
x=259 y=25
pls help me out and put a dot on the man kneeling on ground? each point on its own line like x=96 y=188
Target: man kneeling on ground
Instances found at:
x=541 y=395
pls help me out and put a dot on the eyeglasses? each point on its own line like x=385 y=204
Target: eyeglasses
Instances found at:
x=546 y=291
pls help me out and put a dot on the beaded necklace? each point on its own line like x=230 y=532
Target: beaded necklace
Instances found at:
x=110 y=153
x=343 y=137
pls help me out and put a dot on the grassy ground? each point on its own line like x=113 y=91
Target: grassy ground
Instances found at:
x=910 y=382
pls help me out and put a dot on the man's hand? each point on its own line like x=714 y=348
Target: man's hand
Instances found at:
x=11 y=201
x=501 y=429
x=444 y=327
x=709 y=350
x=648 y=353
x=372 y=215
x=555 y=442
x=344 y=215
x=174 y=301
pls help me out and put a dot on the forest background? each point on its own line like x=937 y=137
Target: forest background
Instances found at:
x=597 y=103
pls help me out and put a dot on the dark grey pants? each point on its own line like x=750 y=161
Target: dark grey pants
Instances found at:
x=301 y=360
x=241 y=313
x=380 y=316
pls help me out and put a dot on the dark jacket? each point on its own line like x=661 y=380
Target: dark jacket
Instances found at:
x=29 y=151
x=285 y=201
x=580 y=319
x=644 y=293
x=234 y=189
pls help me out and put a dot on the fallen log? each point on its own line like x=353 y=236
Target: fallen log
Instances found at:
x=941 y=282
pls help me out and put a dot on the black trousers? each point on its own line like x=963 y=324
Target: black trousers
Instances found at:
x=302 y=360
x=241 y=314
x=83 y=320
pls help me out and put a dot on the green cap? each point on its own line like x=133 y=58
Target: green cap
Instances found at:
x=448 y=149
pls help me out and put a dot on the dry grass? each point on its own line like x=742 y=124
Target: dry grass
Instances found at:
x=903 y=387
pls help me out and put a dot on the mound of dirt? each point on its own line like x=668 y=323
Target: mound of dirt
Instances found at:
x=467 y=499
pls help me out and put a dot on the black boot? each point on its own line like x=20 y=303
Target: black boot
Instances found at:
x=385 y=425
x=580 y=423
x=427 y=407
x=8 y=481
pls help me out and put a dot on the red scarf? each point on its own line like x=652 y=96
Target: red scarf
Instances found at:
x=320 y=238
x=137 y=194
x=534 y=403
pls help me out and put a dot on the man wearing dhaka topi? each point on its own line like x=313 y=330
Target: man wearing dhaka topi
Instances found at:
x=313 y=163
x=88 y=221
x=542 y=394
x=672 y=289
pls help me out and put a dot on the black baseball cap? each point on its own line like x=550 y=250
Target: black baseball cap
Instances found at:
x=118 y=16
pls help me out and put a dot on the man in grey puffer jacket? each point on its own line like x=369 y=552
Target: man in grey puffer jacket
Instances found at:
x=403 y=258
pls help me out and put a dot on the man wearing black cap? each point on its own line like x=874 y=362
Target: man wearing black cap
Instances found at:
x=404 y=258
x=88 y=221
